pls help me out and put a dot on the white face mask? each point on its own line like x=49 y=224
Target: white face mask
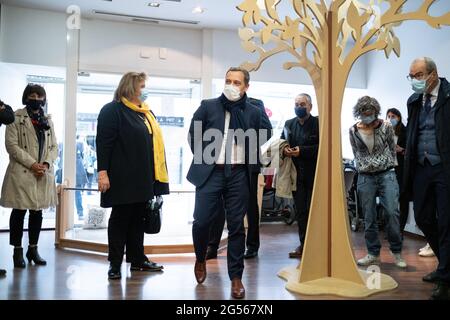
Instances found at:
x=231 y=92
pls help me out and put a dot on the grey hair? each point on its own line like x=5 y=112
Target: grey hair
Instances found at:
x=307 y=96
x=365 y=104
x=429 y=64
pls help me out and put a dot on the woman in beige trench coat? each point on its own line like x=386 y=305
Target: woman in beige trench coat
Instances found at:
x=29 y=182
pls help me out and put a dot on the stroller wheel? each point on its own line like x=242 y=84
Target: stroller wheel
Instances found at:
x=355 y=224
x=289 y=215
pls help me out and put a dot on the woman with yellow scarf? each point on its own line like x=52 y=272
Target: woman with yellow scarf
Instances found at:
x=132 y=170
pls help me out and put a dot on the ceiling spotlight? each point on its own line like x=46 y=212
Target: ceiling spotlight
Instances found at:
x=198 y=9
x=154 y=4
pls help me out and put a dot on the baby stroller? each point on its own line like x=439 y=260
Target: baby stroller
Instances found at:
x=351 y=179
x=275 y=208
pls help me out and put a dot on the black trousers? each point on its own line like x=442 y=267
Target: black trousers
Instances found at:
x=217 y=226
x=302 y=199
x=403 y=200
x=16 y=226
x=208 y=200
x=404 y=211
x=252 y=241
x=432 y=212
x=126 y=230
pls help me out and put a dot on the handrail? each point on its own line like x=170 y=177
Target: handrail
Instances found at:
x=96 y=190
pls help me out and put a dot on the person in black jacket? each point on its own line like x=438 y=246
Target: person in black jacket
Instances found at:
x=427 y=165
x=302 y=133
x=6 y=117
x=131 y=171
x=252 y=240
x=221 y=169
x=395 y=117
x=6 y=114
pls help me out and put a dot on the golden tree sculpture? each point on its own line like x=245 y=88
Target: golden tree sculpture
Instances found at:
x=319 y=40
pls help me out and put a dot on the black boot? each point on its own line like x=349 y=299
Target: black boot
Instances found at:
x=114 y=272
x=18 y=258
x=33 y=255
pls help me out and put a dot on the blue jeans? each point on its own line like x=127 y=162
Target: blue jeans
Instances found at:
x=384 y=185
x=79 y=203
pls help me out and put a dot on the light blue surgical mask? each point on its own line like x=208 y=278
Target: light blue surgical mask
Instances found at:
x=368 y=119
x=418 y=86
x=144 y=95
x=394 y=122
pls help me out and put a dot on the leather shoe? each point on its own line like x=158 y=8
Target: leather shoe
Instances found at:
x=250 y=254
x=431 y=277
x=297 y=253
x=441 y=292
x=200 y=271
x=237 y=289
x=211 y=253
x=114 y=272
x=147 y=266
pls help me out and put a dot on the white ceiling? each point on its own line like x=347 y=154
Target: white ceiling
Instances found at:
x=221 y=14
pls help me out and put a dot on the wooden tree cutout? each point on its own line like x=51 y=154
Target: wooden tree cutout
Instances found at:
x=326 y=40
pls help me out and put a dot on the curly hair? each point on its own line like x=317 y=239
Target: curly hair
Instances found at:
x=366 y=104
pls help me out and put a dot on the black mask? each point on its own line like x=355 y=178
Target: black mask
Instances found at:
x=35 y=104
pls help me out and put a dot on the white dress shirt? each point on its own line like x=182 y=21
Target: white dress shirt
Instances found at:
x=237 y=151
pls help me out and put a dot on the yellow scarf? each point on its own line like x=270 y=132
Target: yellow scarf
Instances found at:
x=153 y=127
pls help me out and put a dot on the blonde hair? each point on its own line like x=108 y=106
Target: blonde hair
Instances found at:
x=128 y=84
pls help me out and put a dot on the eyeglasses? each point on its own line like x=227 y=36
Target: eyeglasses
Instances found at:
x=417 y=76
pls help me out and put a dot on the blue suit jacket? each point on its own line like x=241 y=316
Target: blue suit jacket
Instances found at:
x=211 y=115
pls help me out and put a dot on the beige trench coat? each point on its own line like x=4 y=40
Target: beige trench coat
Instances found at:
x=21 y=189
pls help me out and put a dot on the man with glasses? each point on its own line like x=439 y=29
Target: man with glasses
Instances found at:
x=427 y=165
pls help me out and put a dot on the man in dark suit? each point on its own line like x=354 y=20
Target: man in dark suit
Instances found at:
x=252 y=240
x=221 y=170
x=427 y=165
x=6 y=117
x=302 y=133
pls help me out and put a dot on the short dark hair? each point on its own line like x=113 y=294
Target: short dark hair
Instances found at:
x=365 y=104
x=244 y=71
x=33 y=88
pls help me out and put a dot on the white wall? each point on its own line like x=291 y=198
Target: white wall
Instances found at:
x=32 y=36
x=387 y=78
x=271 y=70
x=116 y=47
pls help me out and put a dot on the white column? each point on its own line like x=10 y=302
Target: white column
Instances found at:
x=207 y=64
x=70 y=119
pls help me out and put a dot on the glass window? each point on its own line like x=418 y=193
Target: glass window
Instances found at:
x=279 y=99
x=13 y=79
x=173 y=101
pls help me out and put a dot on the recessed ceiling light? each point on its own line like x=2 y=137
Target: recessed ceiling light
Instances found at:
x=154 y=4
x=198 y=9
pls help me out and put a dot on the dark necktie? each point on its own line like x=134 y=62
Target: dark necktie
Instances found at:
x=427 y=104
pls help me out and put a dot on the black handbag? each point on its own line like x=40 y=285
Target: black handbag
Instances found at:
x=152 y=218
